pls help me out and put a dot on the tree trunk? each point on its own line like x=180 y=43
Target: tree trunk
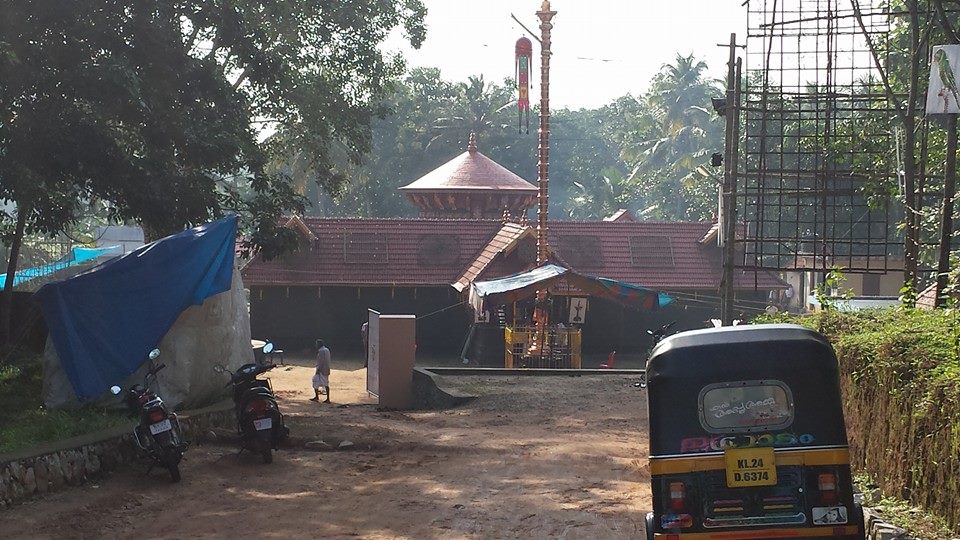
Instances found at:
x=946 y=223
x=6 y=305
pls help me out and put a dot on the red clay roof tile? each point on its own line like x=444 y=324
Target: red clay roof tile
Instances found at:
x=420 y=252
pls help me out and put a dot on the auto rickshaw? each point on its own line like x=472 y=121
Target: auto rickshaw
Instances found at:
x=747 y=438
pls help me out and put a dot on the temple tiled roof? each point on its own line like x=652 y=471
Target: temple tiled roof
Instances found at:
x=505 y=240
x=443 y=252
x=384 y=252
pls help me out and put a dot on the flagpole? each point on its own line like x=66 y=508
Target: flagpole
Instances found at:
x=543 y=171
x=543 y=163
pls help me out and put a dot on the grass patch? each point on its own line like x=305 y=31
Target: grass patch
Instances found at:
x=920 y=349
x=26 y=423
x=900 y=513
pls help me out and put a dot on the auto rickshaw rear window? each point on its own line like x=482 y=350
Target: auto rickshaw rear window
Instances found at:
x=746 y=406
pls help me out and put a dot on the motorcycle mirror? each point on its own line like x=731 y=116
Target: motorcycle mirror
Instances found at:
x=115 y=390
x=154 y=354
x=218 y=368
x=267 y=348
x=650 y=332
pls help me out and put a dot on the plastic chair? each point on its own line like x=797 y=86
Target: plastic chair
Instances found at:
x=610 y=359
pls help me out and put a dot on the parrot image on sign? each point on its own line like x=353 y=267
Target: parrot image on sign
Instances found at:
x=947 y=79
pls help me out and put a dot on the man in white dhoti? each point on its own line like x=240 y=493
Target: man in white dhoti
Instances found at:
x=321 y=378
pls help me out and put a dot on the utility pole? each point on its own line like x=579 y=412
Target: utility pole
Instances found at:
x=728 y=225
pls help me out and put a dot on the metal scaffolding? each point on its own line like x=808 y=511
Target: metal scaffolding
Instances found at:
x=819 y=156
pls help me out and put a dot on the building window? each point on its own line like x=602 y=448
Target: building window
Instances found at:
x=365 y=248
x=581 y=251
x=438 y=250
x=651 y=251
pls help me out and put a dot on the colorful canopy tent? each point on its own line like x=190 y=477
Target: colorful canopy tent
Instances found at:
x=76 y=257
x=104 y=322
x=515 y=287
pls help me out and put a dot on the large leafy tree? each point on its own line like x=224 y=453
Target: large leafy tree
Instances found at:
x=159 y=108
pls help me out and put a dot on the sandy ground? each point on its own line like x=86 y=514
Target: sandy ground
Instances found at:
x=533 y=457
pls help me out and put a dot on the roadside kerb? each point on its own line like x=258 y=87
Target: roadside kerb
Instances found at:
x=430 y=392
x=27 y=473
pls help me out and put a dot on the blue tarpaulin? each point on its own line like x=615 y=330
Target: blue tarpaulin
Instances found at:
x=76 y=257
x=524 y=284
x=519 y=281
x=104 y=322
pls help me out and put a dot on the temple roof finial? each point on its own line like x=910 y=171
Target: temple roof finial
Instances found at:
x=472 y=144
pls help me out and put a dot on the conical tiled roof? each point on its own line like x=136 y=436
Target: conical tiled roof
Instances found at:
x=470 y=170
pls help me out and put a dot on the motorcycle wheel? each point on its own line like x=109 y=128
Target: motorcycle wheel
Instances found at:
x=174 y=469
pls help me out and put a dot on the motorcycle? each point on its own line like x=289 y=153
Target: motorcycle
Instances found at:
x=657 y=336
x=660 y=333
x=158 y=435
x=259 y=421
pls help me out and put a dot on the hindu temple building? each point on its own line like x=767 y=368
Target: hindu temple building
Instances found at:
x=472 y=227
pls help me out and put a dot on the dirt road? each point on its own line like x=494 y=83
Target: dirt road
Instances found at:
x=544 y=457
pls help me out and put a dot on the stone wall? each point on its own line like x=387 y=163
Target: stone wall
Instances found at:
x=71 y=462
x=878 y=529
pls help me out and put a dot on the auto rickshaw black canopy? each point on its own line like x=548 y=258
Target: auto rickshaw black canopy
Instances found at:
x=683 y=365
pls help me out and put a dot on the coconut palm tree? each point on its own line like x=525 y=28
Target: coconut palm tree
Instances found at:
x=477 y=107
x=673 y=136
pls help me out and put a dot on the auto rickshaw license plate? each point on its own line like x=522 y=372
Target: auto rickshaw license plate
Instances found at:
x=748 y=467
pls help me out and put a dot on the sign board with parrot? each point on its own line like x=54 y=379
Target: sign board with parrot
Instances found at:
x=943 y=96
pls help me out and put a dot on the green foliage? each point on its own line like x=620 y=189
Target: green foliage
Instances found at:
x=25 y=422
x=673 y=135
x=157 y=108
x=8 y=373
x=825 y=291
x=641 y=154
x=40 y=426
x=908 y=295
x=900 y=376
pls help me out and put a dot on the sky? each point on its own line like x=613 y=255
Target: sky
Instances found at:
x=602 y=49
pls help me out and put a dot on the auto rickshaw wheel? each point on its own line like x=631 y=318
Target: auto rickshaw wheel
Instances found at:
x=860 y=521
x=648 y=525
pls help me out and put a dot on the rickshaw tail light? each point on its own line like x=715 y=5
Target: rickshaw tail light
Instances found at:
x=678 y=496
x=827 y=484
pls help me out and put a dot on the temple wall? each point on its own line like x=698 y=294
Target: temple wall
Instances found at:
x=293 y=317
